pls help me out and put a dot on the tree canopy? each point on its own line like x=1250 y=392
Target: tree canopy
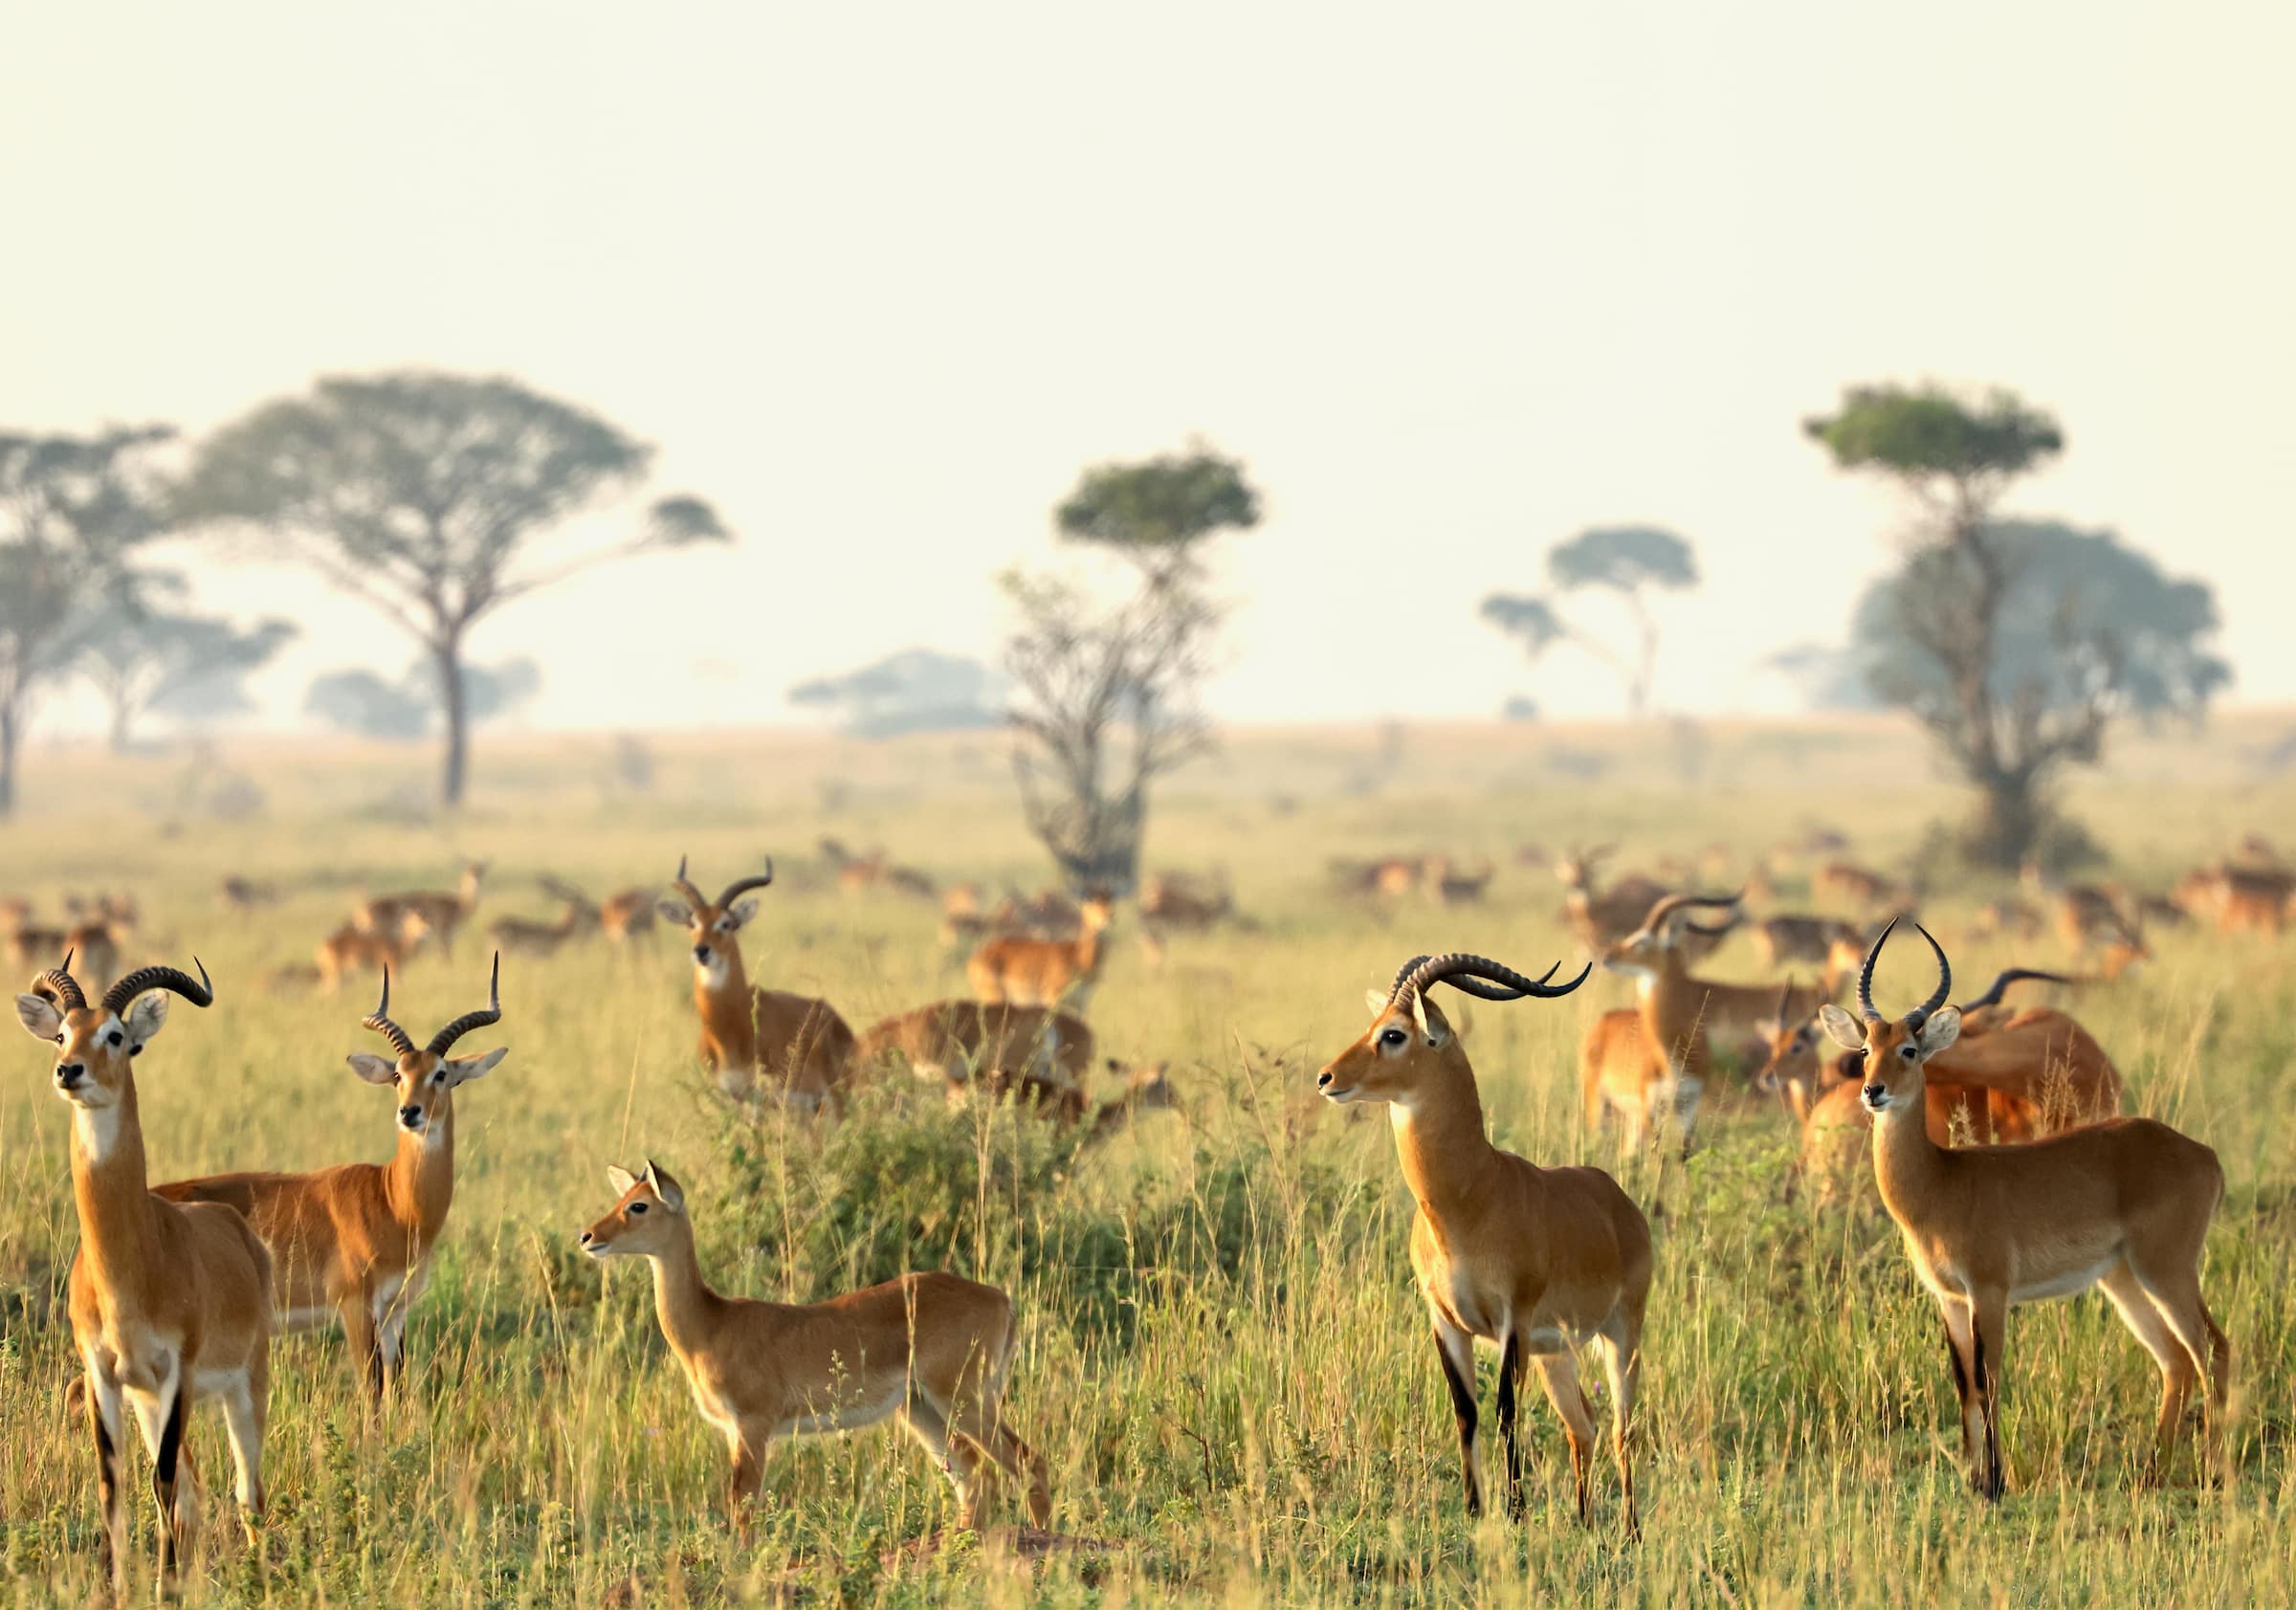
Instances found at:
x=427 y=495
x=1160 y=508
x=1931 y=440
x=177 y=664
x=1627 y=559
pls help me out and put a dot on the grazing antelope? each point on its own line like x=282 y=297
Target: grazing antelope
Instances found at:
x=748 y=1033
x=1536 y=1261
x=1653 y=1059
x=524 y=936
x=627 y=915
x=956 y=1041
x=930 y=1351
x=441 y=913
x=1854 y=884
x=1057 y=973
x=1783 y=939
x=351 y=948
x=167 y=1303
x=354 y=1241
x=2125 y=1204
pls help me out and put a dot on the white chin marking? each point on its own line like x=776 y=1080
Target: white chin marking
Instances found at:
x=99 y=1129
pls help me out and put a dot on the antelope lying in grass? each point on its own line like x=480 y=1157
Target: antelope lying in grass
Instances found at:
x=2125 y=1204
x=1536 y=1261
x=167 y=1303
x=354 y=1241
x=748 y=1033
x=1053 y=973
x=930 y=1351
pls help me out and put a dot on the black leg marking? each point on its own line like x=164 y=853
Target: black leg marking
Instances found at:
x=1990 y=1485
x=1463 y=1405
x=163 y=1478
x=1510 y=1370
x=1952 y=1354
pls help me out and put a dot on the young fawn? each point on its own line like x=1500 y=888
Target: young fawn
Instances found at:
x=928 y=1350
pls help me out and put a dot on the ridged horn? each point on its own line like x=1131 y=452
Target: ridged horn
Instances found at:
x=1480 y=976
x=1865 y=1005
x=379 y=1021
x=741 y=886
x=1920 y=1014
x=1999 y=986
x=62 y=984
x=1665 y=909
x=694 y=899
x=199 y=991
x=492 y=1012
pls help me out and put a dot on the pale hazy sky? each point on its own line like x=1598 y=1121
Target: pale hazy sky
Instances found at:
x=1454 y=280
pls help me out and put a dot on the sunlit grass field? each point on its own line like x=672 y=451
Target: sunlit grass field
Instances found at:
x=1222 y=1357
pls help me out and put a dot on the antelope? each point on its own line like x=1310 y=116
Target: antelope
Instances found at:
x=441 y=913
x=2124 y=1204
x=1853 y=884
x=2007 y=918
x=352 y=947
x=167 y=1303
x=1597 y=920
x=354 y=1241
x=27 y=944
x=2252 y=901
x=627 y=915
x=247 y=895
x=1452 y=887
x=1058 y=973
x=747 y=1031
x=858 y=872
x=930 y=1351
x=1782 y=939
x=518 y=934
x=1536 y=1261
x=1644 y=1062
x=955 y=1041
x=93 y=940
x=1170 y=901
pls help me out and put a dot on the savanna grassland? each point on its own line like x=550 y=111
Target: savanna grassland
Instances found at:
x=1222 y=1357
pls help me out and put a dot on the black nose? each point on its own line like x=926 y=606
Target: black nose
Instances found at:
x=1323 y=1079
x=68 y=1073
x=1874 y=1092
x=408 y=1115
x=701 y=953
x=585 y=1238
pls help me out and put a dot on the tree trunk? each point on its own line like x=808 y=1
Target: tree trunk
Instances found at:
x=447 y=658
x=2006 y=828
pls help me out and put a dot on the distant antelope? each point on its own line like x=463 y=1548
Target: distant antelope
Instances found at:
x=167 y=1303
x=1781 y=940
x=929 y=1351
x=97 y=946
x=748 y=1033
x=247 y=895
x=442 y=913
x=354 y=1241
x=1854 y=884
x=1651 y=1061
x=2125 y=1204
x=523 y=935
x=351 y=948
x=1597 y=917
x=1533 y=1260
x=627 y=915
x=875 y=870
x=1045 y=972
x=1168 y=900
x=955 y=1041
x=1452 y=887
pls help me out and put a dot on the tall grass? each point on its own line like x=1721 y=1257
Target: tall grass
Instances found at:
x=1222 y=1357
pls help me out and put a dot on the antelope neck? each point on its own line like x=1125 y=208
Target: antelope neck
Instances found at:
x=112 y=1193
x=1441 y=1143
x=682 y=1300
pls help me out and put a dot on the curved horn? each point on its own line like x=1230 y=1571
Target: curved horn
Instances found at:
x=379 y=1020
x=1465 y=973
x=199 y=991
x=492 y=1012
x=692 y=894
x=1999 y=986
x=1785 y=1002
x=741 y=886
x=63 y=983
x=1920 y=1014
x=1672 y=903
x=1873 y=1013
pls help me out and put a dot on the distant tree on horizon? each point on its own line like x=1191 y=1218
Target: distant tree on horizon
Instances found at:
x=73 y=510
x=2015 y=642
x=368 y=705
x=427 y=495
x=1628 y=560
x=915 y=691
x=184 y=665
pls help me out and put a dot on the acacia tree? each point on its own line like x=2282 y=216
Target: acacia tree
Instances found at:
x=1106 y=695
x=1631 y=561
x=71 y=511
x=189 y=666
x=427 y=495
x=2014 y=645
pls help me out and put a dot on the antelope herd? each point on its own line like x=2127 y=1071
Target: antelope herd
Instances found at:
x=1962 y=1118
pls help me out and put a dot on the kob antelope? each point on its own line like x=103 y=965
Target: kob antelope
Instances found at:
x=748 y=1033
x=167 y=1303
x=1053 y=973
x=1535 y=1261
x=351 y=948
x=930 y=1351
x=442 y=913
x=354 y=1241
x=2123 y=1204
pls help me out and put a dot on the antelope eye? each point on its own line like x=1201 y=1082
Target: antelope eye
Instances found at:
x=1906 y=1051
x=59 y=1039
x=1392 y=1037
x=638 y=1207
x=114 y=1038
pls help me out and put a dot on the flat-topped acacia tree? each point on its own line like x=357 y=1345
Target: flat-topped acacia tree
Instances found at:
x=429 y=495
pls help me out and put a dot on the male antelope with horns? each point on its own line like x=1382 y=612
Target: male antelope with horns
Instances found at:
x=167 y=1302
x=747 y=1031
x=1535 y=1261
x=355 y=1240
x=2123 y=1204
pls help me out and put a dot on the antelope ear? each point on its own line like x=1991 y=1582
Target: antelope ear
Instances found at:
x=1844 y=1030
x=743 y=912
x=620 y=1178
x=666 y=1186
x=673 y=912
x=39 y=1016
x=463 y=1070
x=1429 y=1018
x=1375 y=1000
x=374 y=1069
x=1941 y=1030
x=146 y=1018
